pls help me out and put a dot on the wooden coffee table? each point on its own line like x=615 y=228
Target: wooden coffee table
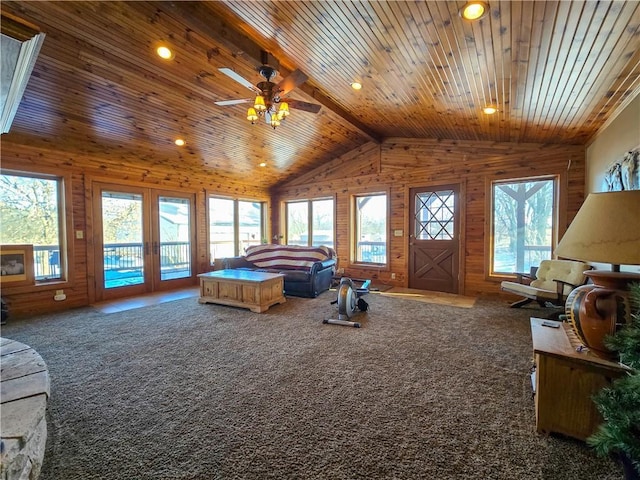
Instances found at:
x=256 y=291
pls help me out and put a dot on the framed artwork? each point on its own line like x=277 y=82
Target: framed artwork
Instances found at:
x=624 y=174
x=16 y=265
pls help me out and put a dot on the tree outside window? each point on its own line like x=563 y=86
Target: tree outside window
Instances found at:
x=30 y=213
x=523 y=224
x=371 y=228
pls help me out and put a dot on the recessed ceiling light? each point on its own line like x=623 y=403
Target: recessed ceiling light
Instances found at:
x=489 y=110
x=356 y=85
x=263 y=164
x=474 y=10
x=164 y=52
x=180 y=142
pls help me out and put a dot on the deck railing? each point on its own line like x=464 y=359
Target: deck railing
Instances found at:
x=121 y=261
x=126 y=259
x=372 y=252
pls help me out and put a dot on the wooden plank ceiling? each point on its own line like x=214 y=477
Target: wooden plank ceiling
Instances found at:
x=556 y=71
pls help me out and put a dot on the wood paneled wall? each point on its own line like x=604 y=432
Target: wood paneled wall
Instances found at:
x=394 y=167
x=397 y=165
x=24 y=301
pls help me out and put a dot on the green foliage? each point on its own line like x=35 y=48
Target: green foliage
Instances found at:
x=620 y=403
x=620 y=408
x=627 y=340
x=29 y=210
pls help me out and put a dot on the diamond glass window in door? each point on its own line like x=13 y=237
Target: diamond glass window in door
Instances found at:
x=435 y=215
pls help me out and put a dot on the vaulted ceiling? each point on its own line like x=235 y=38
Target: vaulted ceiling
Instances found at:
x=555 y=71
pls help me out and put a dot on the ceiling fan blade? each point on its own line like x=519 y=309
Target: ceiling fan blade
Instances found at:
x=300 y=105
x=241 y=80
x=292 y=80
x=224 y=103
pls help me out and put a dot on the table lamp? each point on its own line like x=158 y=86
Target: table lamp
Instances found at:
x=606 y=229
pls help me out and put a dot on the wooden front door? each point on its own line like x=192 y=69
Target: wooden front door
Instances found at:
x=434 y=241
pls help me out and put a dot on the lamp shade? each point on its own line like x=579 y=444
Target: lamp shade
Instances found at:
x=252 y=116
x=259 y=104
x=283 y=111
x=605 y=230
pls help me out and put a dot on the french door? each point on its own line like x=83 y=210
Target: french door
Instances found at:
x=434 y=240
x=143 y=240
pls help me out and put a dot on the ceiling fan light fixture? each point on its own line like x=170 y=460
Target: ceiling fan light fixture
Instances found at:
x=259 y=104
x=474 y=10
x=270 y=101
x=252 y=116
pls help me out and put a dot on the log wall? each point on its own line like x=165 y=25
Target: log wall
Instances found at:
x=397 y=165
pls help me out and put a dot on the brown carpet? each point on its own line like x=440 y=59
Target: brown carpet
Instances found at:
x=188 y=391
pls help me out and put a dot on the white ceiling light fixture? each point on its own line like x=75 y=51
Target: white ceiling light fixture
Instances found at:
x=489 y=110
x=356 y=85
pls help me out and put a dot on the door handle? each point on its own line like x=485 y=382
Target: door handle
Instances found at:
x=146 y=248
x=155 y=248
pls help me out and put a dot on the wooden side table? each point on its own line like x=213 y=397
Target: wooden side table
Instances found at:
x=566 y=380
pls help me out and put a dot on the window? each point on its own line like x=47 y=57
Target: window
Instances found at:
x=370 y=228
x=523 y=224
x=298 y=223
x=233 y=226
x=435 y=215
x=31 y=212
x=310 y=222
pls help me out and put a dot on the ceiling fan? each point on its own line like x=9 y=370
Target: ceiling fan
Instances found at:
x=270 y=101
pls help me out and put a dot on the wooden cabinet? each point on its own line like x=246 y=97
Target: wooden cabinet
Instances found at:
x=565 y=381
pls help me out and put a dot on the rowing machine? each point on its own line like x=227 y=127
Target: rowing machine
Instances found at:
x=348 y=300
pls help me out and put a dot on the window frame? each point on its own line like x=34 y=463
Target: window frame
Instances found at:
x=65 y=226
x=353 y=231
x=236 y=222
x=309 y=202
x=558 y=215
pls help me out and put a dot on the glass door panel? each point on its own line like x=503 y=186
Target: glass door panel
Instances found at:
x=122 y=234
x=175 y=237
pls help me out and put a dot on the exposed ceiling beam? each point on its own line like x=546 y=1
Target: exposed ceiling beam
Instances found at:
x=242 y=46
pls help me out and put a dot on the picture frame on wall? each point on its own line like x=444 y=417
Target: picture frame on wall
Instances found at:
x=16 y=265
x=624 y=174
